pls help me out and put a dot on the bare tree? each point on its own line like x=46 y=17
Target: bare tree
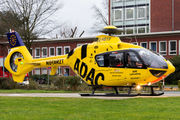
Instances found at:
x=101 y=15
x=35 y=16
x=67 y=31
x=9 y=21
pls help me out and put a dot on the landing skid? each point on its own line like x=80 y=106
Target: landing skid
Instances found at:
x=129 y=94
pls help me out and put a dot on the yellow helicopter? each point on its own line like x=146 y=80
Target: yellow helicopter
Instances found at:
x=107 y=62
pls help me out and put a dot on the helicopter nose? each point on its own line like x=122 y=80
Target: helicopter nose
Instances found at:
x=171 y=68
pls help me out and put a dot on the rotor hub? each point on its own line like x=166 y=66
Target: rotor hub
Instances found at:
x=111 y=30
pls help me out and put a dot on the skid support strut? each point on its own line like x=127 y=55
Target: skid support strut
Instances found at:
x=117 y=94
x=115 y=88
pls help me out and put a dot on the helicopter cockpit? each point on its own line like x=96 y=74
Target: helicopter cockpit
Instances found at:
x=131 y=58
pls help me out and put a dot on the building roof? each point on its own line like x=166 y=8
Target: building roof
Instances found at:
x=154 y=34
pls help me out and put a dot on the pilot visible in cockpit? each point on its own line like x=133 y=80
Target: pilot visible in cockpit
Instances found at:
x=133 y=61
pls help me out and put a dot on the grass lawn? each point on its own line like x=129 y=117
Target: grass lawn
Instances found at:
x=34 y=108
x=47 y=91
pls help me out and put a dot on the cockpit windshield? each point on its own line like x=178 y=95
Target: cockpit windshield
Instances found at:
x=152 y=59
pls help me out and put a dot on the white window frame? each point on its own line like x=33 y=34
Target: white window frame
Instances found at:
x=42 y=52
x=65 y=48
x=150 y=45
x=80 y=44
x=134 y=43
x=141 y=27
x=144 y=13
x=44 y=70
x=142 y=43
x=32 y=52
x=160 y=47
x=59 y=71
x=66 y=71
x=117 y=0
x=129 y=28
x=9 y=50
x=57 y=50
x=37 y=70
x=50 y=51
x=126 y=14
x=170 y=47
x=39 y=52
x=115 y=15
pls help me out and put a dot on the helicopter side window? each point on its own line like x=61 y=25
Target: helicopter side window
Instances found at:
x=100 y=60
x=116 y=60
x=132 y=60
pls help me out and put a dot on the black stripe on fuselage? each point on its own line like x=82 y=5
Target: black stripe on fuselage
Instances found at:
x=83 y=51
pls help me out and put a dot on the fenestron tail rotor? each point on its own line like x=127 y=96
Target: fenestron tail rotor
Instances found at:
x=13 y=59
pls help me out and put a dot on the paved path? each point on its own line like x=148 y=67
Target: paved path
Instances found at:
x=76 y=95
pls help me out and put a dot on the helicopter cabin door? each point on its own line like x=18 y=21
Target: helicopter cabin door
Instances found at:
x=111 y=64
x=135 y=69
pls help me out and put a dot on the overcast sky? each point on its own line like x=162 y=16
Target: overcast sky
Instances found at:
x=79 y=13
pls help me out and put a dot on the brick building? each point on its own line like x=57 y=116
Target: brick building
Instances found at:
x=153 y=24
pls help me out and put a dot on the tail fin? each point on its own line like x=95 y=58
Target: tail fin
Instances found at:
x=18 y=56
x=14 y=39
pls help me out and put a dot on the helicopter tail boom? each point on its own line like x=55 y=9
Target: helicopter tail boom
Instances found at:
x=19 y=61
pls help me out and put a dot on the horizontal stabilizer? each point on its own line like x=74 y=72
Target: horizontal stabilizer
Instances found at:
x=53 y=70
x=18 y=78
x=33 y=63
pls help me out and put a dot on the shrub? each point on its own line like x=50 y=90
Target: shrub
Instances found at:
x=32 y=85
x=59 y=81
x=179 y=84
x=74 y=82
x=8 y=83
x=42 y=79
x=176 y=75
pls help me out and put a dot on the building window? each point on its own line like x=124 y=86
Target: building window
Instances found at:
x=143 y=44
x=172 y=47
x=44 y=52
x=37 y=71
x=66 y=49
x=129 y=13
x=118 y=0
x=118 y=14
x=142 y=30
x=9 y=50
x=31 y=51
x=129 y=30
x=141 y=12
x=58 y=50
x=153 y=46
x=59 y=71
x=44 y=70
x=162 y=47
x=51 y=51
x=147 y=29
x=37 y=52
x=66 y=70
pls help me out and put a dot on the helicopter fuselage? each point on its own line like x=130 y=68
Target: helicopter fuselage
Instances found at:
x=105 y=62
